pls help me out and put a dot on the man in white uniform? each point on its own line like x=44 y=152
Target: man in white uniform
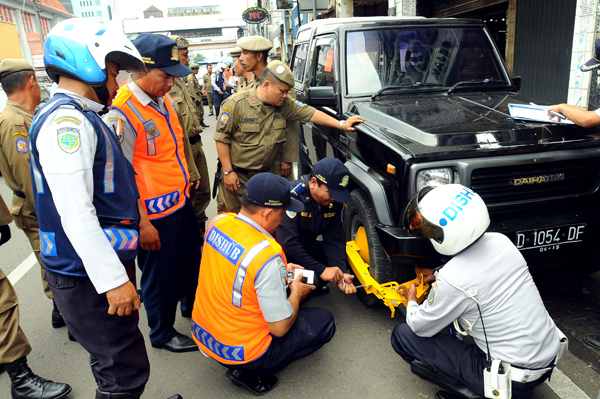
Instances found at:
x=486 y=270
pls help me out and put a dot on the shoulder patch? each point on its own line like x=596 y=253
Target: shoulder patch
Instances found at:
x=431 y=296
x=22 y=146
x=282 y=270
x=224 y=118
x=64 y=119
x=68 y=139
x=298 y=103
x=20 y=134
x=291 y=214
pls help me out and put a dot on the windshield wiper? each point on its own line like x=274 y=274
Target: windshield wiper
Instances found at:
x=472 y=82
x=401 y=86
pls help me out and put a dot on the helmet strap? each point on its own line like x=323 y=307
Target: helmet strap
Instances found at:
x=103 y=94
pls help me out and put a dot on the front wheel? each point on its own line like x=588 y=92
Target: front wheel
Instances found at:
x=359 y=220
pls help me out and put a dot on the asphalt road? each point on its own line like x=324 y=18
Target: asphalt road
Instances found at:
x=358 y=363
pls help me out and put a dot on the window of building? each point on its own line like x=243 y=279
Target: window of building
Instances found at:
x=99 y=13
x=28 y=23
x=6 y=14
x=92 y=13
x=45 y=26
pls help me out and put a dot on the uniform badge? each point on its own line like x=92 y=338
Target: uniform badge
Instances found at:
x=151 y=128
x=68 y=139
x=20 y=134
x=22 y=146
x=291 y=214
x=344 y=182
x=180 y=42
x=430 y=296
x=298 y=103
x=175 y=54
x=224 y=118
x=282 y=270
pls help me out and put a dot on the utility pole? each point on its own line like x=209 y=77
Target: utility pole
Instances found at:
x=285 y=34
x=314 y=3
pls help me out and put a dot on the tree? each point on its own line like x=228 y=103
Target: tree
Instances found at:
x=199 y=58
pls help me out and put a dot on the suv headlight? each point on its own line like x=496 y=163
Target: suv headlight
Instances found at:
x=434 y=177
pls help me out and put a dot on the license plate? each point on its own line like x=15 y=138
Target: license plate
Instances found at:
x=550 y=238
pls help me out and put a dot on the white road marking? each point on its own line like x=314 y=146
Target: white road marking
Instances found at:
x=564 y=387
x=22 y=269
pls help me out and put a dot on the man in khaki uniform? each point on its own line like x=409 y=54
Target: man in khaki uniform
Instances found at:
x=196 y=92
x=252 y=127
x=208 y=93
x=14 y=346
x=187 y=109
x=255 y=50
x=24 y=94
x=244 y=77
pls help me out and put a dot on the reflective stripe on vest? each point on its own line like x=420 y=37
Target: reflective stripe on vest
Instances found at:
x=235 y=353
x=122 y=239
x=159 y=160
x=48 y=244
x=236 y=297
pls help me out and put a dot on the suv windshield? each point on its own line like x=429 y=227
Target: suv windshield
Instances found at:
x=425 y=57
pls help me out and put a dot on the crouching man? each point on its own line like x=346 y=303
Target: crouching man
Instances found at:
x=485 y=289
x=243 y=317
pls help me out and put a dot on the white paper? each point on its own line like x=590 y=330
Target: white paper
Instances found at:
x=309 y=274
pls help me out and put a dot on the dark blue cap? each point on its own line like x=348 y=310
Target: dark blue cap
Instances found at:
x=266 y=189
x=594 y=63
x=336 y=176
x=160 y=52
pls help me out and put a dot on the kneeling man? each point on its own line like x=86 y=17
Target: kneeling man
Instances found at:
x=243 y=317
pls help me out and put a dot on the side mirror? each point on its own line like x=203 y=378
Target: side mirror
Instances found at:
x=516 y=81
x=321 y=96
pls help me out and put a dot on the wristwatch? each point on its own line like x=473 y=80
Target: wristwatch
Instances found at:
x=228 y=172
x=342 y=125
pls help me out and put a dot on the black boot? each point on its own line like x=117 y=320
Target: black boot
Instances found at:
x=252 y=381
x=27 y=385
x=111 y=395
x=57 y=319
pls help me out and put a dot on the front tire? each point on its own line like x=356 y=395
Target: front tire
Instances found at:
x=360 y=213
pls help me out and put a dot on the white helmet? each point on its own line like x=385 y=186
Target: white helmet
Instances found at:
x=221 y=67
x=452 y=216
x=80 y=47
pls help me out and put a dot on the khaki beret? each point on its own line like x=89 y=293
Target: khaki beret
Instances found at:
x=182 y=42
x=236 y=52
x=194 y=66
x=14 y=65
x=282 y=72
x=254 y=43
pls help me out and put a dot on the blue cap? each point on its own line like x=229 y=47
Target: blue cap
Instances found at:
x=266 y=189
x=594 y=63
x=160 y=52
x=336 y=176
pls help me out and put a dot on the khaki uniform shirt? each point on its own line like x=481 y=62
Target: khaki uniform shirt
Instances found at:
x=207 y=83
x=256 y=131
x=188 y=117
x=5 y=217
x=14 y=156
x=194 y=87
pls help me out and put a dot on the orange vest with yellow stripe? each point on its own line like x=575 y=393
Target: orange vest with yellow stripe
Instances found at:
x=159 y=160
x=227 y=323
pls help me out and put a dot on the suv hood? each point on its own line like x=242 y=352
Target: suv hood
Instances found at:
x=465 y=121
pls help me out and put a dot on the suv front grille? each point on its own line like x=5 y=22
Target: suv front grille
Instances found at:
x=528 y=182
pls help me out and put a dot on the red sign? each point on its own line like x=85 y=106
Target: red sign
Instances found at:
x=255 y=15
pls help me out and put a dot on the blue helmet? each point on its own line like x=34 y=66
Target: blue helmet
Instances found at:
x=79 y=48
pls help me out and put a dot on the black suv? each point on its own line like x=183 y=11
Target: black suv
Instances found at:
x=434 y=94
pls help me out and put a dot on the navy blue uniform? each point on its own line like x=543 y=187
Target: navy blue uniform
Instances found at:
x=297 y=234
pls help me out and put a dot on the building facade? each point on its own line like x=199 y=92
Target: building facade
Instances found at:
x=32 y=21
x=99 y=10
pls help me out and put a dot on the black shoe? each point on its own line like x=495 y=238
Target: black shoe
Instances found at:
x=112 y=395
x=57 y=319
x=2 y=368
x=179 y=343
x=178 y=396
x=211 y=114
x=252 y=381
x=204 y=124
x=70 y=336
x=593 y=341
x=25 y=384
x=187 y=314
